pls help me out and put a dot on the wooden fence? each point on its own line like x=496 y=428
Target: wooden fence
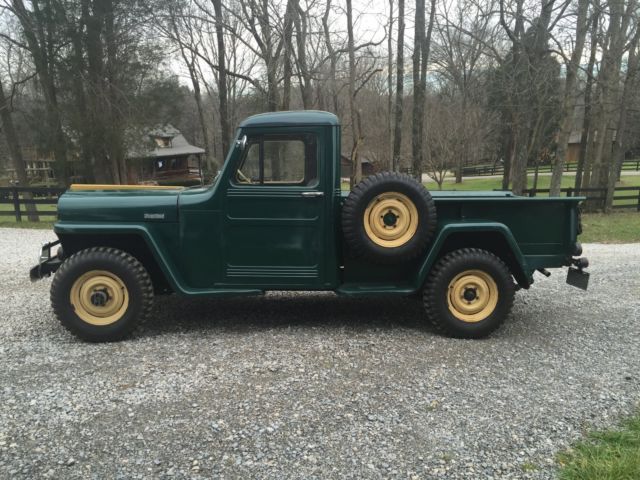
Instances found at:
x=623 y=197
x=14 y=196
x=487 y=170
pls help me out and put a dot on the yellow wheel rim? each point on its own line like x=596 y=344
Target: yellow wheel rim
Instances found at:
x=391 y=220
x=472 y=296
x=99 y=297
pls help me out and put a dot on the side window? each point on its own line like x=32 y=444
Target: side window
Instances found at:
x=249 y=172
x=279 y=160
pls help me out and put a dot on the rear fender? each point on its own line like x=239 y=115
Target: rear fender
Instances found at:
x=478 y=235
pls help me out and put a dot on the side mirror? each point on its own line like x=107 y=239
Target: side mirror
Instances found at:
x=242 y=142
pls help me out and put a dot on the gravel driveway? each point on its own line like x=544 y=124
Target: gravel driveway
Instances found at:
x=313 y=385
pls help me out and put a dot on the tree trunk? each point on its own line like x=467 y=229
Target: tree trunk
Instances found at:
x=332 y=59
x=390 y=86
x=225 y=129
x=37 y=30
x=422 y=46
x=304 y=75
x=569 y=101
x=16 y=153
x=507 y=156
x=81 y=103
x=115 y=122
x=464 y=140
x=188 y=54
x=425 y=51
x=620 y=141
x=98 y=108
x=397 y=137
x=583 y=168
x=287 y=69
x=418 y=93
x=356 y=166
x=609 y=97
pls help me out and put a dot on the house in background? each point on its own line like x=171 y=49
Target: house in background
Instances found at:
x=168 y=159
x=575 y=138
x=40 y=168
x=368 y=168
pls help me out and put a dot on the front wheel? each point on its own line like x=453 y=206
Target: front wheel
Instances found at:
x=101 y=294
x=469 y=293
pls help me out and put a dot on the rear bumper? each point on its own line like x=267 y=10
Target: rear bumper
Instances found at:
x=47 y=264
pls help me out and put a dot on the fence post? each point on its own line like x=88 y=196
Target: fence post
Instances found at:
x=639 y=199
x=16 y=205
x=569 y=192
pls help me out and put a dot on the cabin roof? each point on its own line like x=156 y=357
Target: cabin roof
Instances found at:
x=290 y=118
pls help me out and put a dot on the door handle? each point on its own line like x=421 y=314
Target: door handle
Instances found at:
x=312 y=194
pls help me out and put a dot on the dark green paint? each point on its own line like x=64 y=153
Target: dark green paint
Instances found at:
x=233 y=239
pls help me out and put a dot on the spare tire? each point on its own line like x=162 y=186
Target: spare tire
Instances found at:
x=389 y=217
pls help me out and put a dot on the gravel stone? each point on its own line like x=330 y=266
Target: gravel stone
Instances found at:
x=311 y=385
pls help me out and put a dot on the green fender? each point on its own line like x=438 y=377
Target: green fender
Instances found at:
x=522 y=272
x=171 y=273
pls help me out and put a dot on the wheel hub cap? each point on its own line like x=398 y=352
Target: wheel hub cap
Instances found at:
x=469 y=294
x=472 y=296
x=391 y=220
x=99 y=297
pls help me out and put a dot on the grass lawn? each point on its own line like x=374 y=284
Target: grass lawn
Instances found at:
x=46 y=222
x=618 y=227
x=610 y=455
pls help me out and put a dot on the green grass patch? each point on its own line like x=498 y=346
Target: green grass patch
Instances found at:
x=46 y=221
x=609 y=455
x=617 y=227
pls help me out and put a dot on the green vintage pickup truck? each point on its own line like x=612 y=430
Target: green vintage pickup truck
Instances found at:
x=275 y=218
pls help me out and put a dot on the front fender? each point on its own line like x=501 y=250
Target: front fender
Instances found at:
x=171 y=274
x=164 y=262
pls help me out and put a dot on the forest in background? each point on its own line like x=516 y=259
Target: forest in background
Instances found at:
x=427 y=86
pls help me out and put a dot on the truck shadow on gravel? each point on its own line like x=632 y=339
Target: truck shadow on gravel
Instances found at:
x=283 y=310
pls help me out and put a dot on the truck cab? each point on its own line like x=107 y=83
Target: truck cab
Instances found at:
x=276 y=218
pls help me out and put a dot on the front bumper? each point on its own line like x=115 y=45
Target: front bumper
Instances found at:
x=46 y=264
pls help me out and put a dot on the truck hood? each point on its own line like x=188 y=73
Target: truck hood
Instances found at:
x=125 y=204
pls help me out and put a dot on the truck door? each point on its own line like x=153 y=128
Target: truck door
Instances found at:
x=276 y=209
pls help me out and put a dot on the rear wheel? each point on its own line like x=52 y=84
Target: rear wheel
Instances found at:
x=101 y=294
x=469 y=293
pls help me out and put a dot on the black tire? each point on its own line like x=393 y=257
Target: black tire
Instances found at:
x=448 y=273
x=126 y=269
x=354 y=216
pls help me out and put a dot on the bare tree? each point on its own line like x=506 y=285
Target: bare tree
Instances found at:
x=222 y=79
x=356 y=175
x=39 y=29
x=421 y=49
x=183 y=27
x=586 y=122
x=608 y=92
x=570 y=97
x=620 y=142
x=16 y=154
x=398 y=110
